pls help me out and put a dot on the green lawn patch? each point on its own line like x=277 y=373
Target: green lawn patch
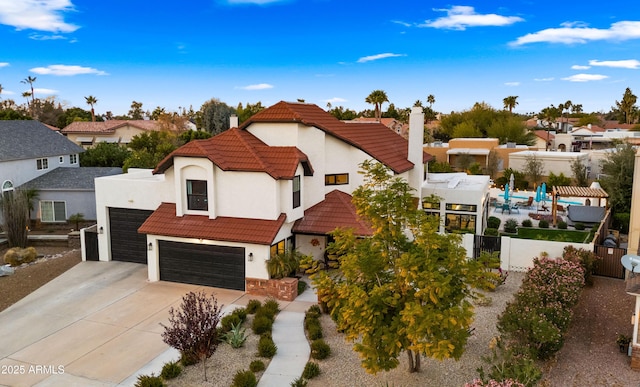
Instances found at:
x=553 y=235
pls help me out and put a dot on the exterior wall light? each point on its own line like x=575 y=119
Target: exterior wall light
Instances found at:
x=101 y=230
x=150 y=247
x=250 y=257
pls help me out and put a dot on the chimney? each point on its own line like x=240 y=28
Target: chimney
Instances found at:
x=415 y=152
x=233 y=121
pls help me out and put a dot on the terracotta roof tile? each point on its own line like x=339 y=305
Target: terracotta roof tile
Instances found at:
x=239 y=150
x=336 y=210
x=374 y=139
x=164 y=221
x=543 y=134
x=109 y=126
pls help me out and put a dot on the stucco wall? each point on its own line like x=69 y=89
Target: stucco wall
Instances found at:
x=76 y=202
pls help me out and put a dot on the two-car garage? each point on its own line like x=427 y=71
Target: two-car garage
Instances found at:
x=198 y=264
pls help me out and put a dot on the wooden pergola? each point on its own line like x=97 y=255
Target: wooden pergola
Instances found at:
x=578 y=192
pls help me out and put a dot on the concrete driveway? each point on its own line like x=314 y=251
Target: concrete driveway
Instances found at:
x=98 y=324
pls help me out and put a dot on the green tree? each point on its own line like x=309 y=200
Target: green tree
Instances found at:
x=466 y=129
x=510 y=102
x=157 y=112
x=592 y=119
x=190 y=135
x=244 y=113
x=627 y=108
x=533 y=169
x=617 y=177
x=29 y=80
x=493 y=164
x=549 y=115
x=136 y=112
x=377 y=98
x=15 y=216
x=91 y=100
x=510 y=129
x=579 y=170
x=105 y=154
x=558 y=180
x=149 y=148
x=406 y=288
x=343 y=114
x=215 y=116
x=73 y=114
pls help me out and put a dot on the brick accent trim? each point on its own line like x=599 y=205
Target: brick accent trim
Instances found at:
x=285 y=289
x=635 y=357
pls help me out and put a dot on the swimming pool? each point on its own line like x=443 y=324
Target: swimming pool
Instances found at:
x=562 y=201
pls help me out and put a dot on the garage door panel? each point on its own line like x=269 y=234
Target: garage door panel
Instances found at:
x=208 y=265
x=126 y=243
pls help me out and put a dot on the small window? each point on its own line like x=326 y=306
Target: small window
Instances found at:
x=336 y=179
x=296 y=192
x=7 y=186
x=462 y=207
x=277 y=248
x=197 y=195
x=73 y=159
x=61 y=159
x=53 y=211
x=42 y=164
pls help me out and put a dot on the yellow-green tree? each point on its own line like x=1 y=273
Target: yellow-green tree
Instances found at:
x=404 y=289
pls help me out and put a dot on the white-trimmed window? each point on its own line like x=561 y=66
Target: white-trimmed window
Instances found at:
x=42 y=164
x=73 y=159
x=296 y=191
x=61 y=160
x=52 y=211
x=7 y=186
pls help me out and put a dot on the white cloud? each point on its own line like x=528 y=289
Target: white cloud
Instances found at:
x=4 y=64
x=378 y=57
x=46 y=37
x=36 y=15
x=573 y=33
x=585 y=78
x=580 y=67
x=512 y=83
x=259 y=86
x=405 y=24
x=335 y=100
x=460 y=17
x=65 y=70
x=543 y=79
x=622 y=64
x=37 y=90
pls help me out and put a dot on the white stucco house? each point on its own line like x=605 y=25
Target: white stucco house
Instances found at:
x=214 y=211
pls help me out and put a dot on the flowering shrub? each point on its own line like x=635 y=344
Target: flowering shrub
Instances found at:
x=587 y=259
x=494 y=383
x=542 y=310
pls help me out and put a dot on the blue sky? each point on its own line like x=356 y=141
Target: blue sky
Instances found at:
x=174 y=55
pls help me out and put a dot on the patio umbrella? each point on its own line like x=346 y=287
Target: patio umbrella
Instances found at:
x=506 y=192
x=511 y=184
x=538 y=196
x=543 y=192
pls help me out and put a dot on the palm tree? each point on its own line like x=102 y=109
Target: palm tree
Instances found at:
x=431 y=100
x=30 y=81
x=567 y=106
x=377 y=98
x=550 y=114
x=510 y=102
x=576 y=108
x=91 y=100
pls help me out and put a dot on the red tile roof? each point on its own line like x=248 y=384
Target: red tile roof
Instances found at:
x=239 y=150
x=543 y=134
x=164 y=221
x=336 y=210
x=374 y=139
x=110 y=126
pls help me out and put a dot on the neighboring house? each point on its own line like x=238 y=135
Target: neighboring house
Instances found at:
x=633 y=279
x=477 y=148
x=545 y=140
x=556 y=162
x=87 y=134
x=66 y=191
x=215 y=211
x=391 y=123
x=29 y=149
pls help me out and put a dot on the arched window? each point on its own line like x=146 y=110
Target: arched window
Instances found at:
x=7 y=186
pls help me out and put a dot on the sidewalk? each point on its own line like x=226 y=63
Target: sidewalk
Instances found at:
x=293 y=349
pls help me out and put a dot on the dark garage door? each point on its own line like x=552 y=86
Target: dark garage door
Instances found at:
x=126 y=244
x=218 y=266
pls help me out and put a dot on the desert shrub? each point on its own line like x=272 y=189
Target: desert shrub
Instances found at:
x=271 y=305
x=494 y=383
x=527 y=223
x=257 y=366
x=16 y=256
x=240 y=312
x=299 y=382
x=320 y=349
x=314 y=331
x=579 y=226
x=510 y=368
x=229 y=321
x=253 y=306
x=543 y=223
x=311 y=370
x=170 y=370
x=149 y=381
x=244 y=379
x=302 y=286
x=491 y=231
x=511 y=226
x=187 y=360
x=493 y=222
x=314 y=311
x=266 y=347
x=562 y=225
x=192 y=328
x=261 y=324
x=236 y=336
x=587 y=259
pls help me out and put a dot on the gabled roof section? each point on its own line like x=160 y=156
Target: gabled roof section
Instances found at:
x=25 y=139
x=335 y=211
x=164 y=221
x=239 y=150
x=375 y=139
x=71 y=178
x=110 y=126
x=542 y=134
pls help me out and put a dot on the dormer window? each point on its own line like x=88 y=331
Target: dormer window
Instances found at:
x=197 y=195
